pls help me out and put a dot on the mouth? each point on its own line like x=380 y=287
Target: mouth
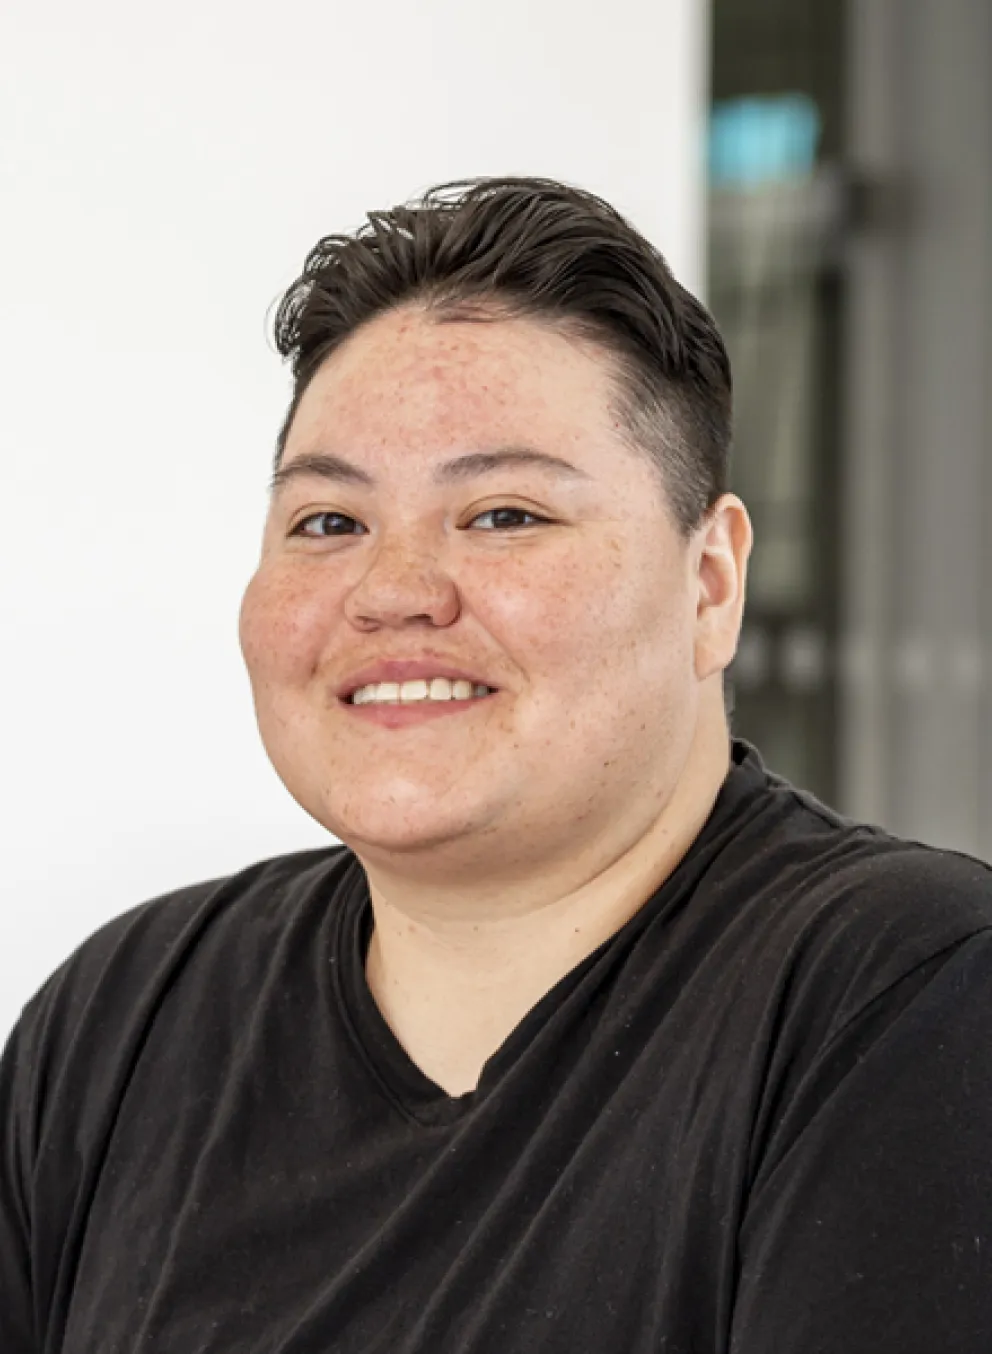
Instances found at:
x=434 y=691
x=401 y=714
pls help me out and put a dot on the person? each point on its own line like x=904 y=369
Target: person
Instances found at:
x=589 y=1032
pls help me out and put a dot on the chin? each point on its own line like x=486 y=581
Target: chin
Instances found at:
x=380 y=840
x=379 y=825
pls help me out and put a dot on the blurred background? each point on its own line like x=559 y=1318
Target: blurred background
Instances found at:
x=850 y=268
x=819 y=171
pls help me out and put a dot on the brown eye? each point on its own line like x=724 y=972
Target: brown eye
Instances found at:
x=513 y=512
x=329 y=524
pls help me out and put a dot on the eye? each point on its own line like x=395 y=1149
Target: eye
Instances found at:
x=328 y=521
x=517 y=512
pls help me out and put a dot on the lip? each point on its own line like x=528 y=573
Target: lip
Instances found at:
x=401 y=716
x=406 y=670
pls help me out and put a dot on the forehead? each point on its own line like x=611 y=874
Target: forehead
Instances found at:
x=405 y=376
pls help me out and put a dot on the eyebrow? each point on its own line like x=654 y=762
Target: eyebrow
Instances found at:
x=325 y=466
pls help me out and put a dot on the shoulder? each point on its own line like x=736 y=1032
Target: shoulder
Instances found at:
x=121 y=968
x=860 y=951
x=834 y=911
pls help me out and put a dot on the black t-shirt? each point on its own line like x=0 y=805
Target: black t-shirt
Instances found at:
x=758 y=1119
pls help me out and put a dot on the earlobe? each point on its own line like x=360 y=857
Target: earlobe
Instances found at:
x=723 y=546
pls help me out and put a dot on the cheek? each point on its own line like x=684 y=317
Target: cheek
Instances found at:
x=282 y=629
x=587 y=617
x=638 y=633
x=532 y=606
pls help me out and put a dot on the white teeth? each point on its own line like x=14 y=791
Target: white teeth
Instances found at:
x=437 y=689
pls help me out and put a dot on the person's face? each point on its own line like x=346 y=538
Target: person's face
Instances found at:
x=572 y=593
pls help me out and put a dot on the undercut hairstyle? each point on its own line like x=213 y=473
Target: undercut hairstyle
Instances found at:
x=510 y=248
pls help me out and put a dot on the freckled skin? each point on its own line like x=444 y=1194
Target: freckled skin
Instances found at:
x=590 y=627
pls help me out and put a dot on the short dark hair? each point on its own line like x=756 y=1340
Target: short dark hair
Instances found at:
x=498 y=248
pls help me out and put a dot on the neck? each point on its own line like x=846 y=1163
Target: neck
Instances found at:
x=454 y=971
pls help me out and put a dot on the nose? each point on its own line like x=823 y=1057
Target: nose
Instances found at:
x=403 y=582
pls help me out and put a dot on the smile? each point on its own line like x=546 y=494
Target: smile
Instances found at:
x=408 y=693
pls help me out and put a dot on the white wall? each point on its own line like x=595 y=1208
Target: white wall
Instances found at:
x=162 y=174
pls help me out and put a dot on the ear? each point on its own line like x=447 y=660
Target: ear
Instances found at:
x=721 y=546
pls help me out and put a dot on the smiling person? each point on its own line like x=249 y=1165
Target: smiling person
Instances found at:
x=592 y=1034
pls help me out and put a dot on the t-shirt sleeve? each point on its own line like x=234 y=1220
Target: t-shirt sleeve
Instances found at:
x=16 y=1319
x=60 y=1071
x=869 y=1225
